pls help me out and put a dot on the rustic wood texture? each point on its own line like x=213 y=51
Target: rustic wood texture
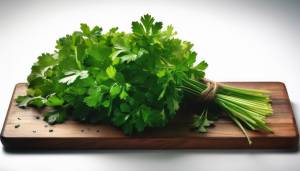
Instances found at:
x=34 y=133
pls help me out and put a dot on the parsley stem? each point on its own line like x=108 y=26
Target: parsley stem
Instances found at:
x=76 y=58
x=244 y=106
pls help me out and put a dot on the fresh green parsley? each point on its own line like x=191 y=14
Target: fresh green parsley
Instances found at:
x=134 y=81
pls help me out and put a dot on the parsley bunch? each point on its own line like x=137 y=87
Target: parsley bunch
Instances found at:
x=133 y=81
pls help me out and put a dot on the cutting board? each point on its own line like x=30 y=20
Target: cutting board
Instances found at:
x=25 y=129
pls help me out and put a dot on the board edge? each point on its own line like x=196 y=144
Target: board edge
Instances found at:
x=2 y=135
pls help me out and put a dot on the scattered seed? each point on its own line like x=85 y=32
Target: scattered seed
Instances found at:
x=45 y=126
x=37 y=117
x=19 y=118
x=34 y=131
x=17 y=126
x=98 y=130
x=51 y=130
x=82 y=130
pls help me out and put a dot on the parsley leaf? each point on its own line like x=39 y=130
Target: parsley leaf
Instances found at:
x=71 y=76
x=111 y=72
x=201 y=122
x=55 y=117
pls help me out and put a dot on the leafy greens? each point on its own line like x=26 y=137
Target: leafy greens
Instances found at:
x=132 y=80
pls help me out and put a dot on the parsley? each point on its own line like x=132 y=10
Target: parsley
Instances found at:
x=133 y=81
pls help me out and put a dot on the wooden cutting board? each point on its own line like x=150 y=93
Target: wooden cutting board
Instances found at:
x=25 y=128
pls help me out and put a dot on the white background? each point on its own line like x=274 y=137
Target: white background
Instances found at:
x=241 y=40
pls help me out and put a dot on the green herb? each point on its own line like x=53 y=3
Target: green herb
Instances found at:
x=134 y=81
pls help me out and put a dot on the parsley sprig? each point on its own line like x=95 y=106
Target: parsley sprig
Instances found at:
x=133 y=81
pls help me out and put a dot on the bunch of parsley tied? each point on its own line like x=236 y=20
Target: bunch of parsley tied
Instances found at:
x=134 y=81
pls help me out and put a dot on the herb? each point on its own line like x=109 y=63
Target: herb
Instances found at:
x=55 y=117
x=134 y=81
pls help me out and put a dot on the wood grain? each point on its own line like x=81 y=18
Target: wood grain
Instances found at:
x=34 y=133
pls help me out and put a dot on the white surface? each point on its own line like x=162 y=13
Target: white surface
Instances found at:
x=241 y=40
